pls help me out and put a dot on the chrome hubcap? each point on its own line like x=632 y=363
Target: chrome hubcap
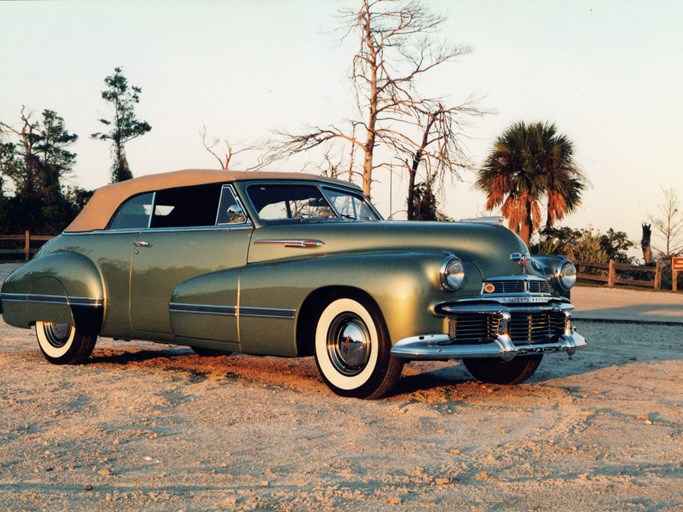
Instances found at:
x=348 y=344
x=56 y=334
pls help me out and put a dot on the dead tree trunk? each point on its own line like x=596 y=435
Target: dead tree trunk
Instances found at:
x=645 y=244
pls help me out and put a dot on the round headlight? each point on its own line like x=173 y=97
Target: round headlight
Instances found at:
x=566 y=276
x=452 y=273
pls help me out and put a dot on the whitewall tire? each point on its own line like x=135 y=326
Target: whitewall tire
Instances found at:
x=63 y=344
x=352 y=349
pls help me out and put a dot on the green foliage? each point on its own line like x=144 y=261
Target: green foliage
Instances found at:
x=35 y=158
x=3 y=207
x=589 y=248
x=38 y=158
x=585 y=244
x=78 y=197
x=41 y=216
x=616 y=244
x=124 y=126
x=424 y=203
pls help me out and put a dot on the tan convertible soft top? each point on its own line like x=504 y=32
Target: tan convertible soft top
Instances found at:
x=106 y=200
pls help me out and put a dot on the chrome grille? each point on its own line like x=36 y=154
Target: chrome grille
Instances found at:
x=541 y=327
x=539 y=286
x=507 y=286
x=474 y=328
x=524 y=328
x=518 y=286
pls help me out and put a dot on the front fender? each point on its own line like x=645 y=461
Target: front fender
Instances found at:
x=60 y=287
x=548 y=265
x=402 y=284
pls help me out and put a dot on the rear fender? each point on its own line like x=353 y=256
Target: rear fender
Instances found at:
x=60 y=287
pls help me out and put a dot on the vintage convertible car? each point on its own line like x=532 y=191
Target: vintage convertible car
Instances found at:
x=292 y=265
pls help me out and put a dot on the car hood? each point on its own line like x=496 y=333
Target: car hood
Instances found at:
x=488 y=246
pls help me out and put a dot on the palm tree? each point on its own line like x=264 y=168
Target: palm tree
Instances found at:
x=526 y=164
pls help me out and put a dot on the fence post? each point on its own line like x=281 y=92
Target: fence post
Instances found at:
x=658 y=276
x=27 y=245
x=611 y=276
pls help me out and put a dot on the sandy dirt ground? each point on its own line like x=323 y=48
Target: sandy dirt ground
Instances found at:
x=143 y=426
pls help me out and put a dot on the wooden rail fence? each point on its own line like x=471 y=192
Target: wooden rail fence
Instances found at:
x=613 y=273
x=27 y=250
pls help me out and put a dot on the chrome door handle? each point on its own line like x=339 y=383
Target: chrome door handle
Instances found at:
x=141 y=244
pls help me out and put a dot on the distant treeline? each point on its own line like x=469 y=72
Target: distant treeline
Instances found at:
x=35 y=159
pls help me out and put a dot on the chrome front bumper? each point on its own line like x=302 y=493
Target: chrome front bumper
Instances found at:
x=443 y=347
x=440 y=347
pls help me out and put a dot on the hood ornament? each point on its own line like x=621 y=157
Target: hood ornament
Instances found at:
x=522 y=259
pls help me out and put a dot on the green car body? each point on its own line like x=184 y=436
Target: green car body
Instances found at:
x=293 y=265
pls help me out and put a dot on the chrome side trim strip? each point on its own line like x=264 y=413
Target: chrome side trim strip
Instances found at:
x=25 y=297
x=86 y=301
x=202 y=309
x=267 y=312
x=36 y=298
x=231 y=311
x=299 y=244
x=104 y=232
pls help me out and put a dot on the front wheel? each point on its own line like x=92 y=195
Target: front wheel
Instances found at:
x=496 y=371
x=352 y=349
x=63 y=344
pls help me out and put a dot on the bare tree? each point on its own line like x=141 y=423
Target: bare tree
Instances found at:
x=224 y=151
x=332 y=165
x=669 y=226
x=395 y=50
x=18 y=160
x=435 y=146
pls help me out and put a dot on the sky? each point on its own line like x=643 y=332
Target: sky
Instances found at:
x=608 y=73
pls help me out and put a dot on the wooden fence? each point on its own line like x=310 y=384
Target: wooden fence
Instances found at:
x=28 y=239
x=614 y=273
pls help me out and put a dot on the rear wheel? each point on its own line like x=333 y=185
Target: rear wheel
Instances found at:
x=352 y=349
x=63 y=344
x=497 y=371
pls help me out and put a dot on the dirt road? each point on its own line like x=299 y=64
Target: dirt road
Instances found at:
x=152 y=427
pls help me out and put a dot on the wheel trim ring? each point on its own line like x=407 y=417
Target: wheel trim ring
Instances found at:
x=55 y=347
x=56 y=334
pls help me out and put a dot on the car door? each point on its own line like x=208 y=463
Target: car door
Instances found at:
x=188 y=237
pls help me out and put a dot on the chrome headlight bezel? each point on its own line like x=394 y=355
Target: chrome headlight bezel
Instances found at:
x=566 y=276
x=452 y=273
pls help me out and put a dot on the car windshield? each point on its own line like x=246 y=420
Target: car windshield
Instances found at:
x=308 y=202
x=349 y=206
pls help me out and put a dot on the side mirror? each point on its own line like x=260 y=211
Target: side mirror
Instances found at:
x=235 y=215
